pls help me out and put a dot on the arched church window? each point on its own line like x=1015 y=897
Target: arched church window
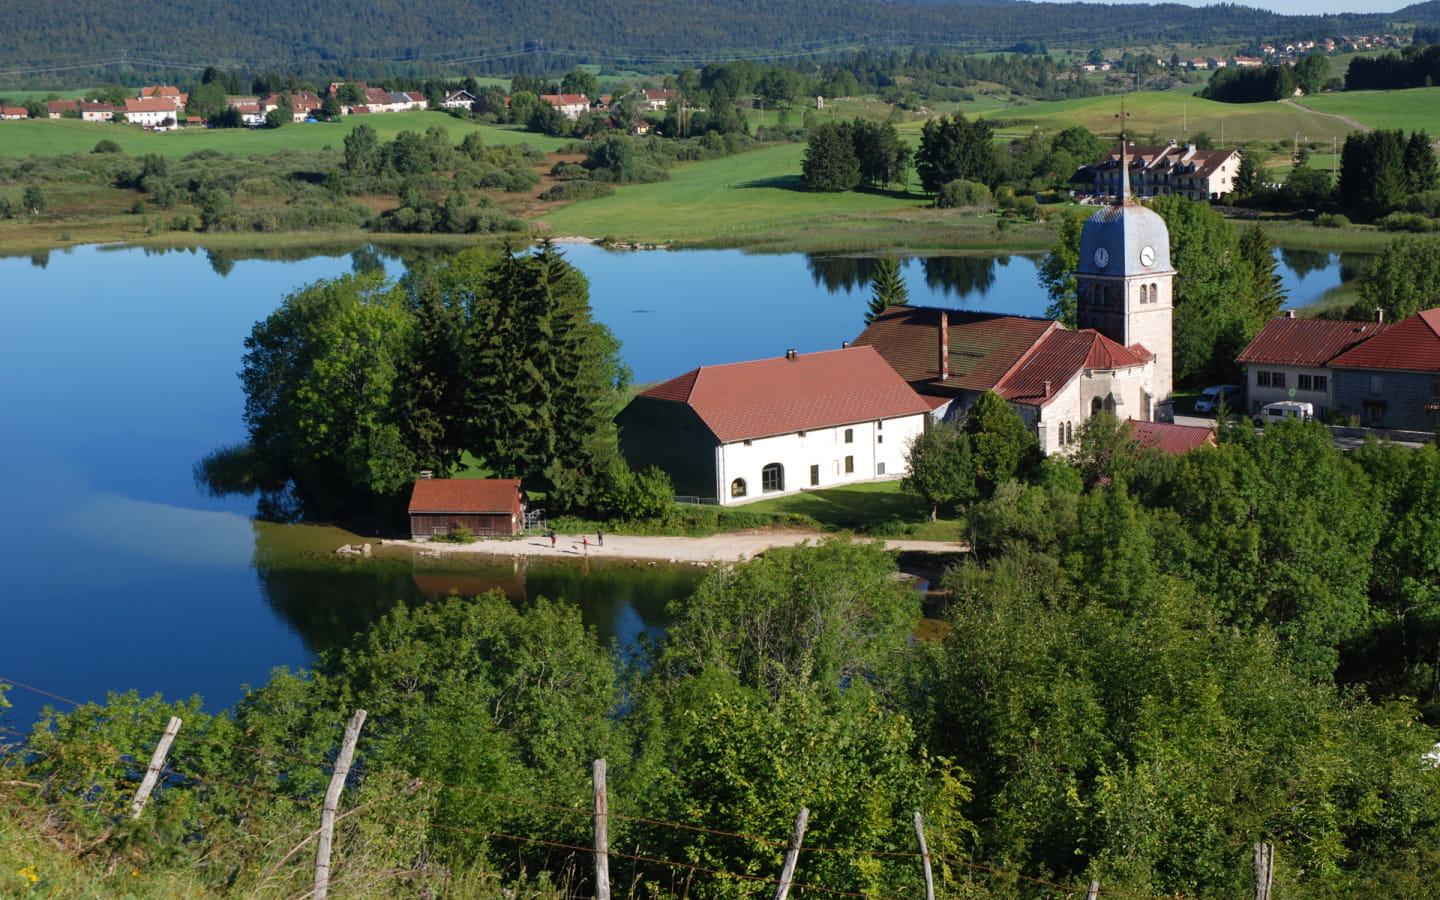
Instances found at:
x=1144 y=294
x=1110 y=402
x=1069 y=432
x=1154 y=293
x=772 y=478
x=1096 y=406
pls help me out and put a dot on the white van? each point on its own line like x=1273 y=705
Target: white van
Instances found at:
x=1285 y=410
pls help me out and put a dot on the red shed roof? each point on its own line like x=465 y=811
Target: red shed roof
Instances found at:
x=1307 y=342
x=1059 y=357
x=1171 y=438
x=740 y=401
x=983 y=347
x=1410 y=345
x=466 y=495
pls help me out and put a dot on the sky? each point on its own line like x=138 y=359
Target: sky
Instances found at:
x=1304 y=7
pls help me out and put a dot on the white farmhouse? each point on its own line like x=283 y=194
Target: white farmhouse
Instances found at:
x=747 y=430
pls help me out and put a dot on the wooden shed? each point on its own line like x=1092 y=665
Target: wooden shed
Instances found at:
x=487 y=507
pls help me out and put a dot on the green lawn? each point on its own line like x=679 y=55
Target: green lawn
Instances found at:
x=1416 y=109
x=877 y=507
x=48 y=137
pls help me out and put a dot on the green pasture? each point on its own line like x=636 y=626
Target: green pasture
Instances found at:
x=1165 y=116
x=1415 y=109
x=748 y=192
x=49 y=137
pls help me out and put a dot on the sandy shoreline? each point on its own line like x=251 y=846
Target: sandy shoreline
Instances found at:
x=730 y=547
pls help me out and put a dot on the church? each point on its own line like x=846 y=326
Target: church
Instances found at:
x=1119 y=359
x=736 y=432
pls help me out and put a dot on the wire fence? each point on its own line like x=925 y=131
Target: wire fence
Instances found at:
x=126 y=768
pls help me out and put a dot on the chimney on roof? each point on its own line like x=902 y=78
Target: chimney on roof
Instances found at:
x=944 y=345
x=1289 y=313
x=844 y=344
x=426 y=474
x=791 y=354
x=1379 y=314
x=1047 y=389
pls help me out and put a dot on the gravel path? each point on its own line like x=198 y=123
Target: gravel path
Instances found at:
x=729 y=547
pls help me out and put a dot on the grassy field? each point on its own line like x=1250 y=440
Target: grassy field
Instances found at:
x=1416 y=109
x=1164 y=117
x=753 y=200
x=48 y=137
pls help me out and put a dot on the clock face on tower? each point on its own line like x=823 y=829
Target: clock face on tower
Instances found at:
x=1102 y=257
x=1147 y=256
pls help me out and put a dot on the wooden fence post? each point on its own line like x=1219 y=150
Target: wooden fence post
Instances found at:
x=925 y=857
x=1094 y=890
x=332 y=801
x=157 y=762
x=602 y=831
x=792 y=854
x=1264 y=870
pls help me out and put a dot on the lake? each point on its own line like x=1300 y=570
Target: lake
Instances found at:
x=119 y=372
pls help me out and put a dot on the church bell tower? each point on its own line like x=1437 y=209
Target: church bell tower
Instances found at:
x=1124 y=282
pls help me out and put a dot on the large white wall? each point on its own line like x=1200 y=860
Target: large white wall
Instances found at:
x=877 y=449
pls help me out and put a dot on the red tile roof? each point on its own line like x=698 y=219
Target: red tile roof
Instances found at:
x=466 y=495
x=1059 y=357
x=1171 y=438
x=741 y=401
x=1307 y=342
x=984 y=347
x=149 y=104
x=1411 y=345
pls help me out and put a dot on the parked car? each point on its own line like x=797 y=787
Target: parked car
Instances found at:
x=1212 y=398
x=1285 y=410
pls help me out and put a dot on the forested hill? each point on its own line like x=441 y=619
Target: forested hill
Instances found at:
x=504 y=36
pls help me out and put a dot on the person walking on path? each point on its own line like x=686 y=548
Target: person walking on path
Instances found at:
x=552 y=539
x=599 y=538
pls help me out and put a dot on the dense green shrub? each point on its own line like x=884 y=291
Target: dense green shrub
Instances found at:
x=959 y=194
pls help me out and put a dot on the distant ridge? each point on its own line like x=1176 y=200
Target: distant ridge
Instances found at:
x=502 y=36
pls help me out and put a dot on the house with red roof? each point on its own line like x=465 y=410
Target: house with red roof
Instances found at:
x=1392 y=380
x=150 y=112
x=1290 y=359
x=96 y=111
x=56 y=109
x=1168 y=437
x=1053 y=377
x=487 y=507
x=14 y=113
x=741 y=431
x=570 y=105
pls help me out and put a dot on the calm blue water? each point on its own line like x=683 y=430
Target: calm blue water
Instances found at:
x=118 y=372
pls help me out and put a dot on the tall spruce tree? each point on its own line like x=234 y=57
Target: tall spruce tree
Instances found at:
x=888 y=288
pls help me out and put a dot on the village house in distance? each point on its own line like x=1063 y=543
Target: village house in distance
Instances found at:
x=743 y=430
x=1153 y=171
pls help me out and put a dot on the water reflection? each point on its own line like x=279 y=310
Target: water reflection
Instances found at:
x=1303 y=262
x=961 y=277
x=326 y=599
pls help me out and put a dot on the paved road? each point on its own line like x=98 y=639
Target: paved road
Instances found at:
x=1343 y=442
